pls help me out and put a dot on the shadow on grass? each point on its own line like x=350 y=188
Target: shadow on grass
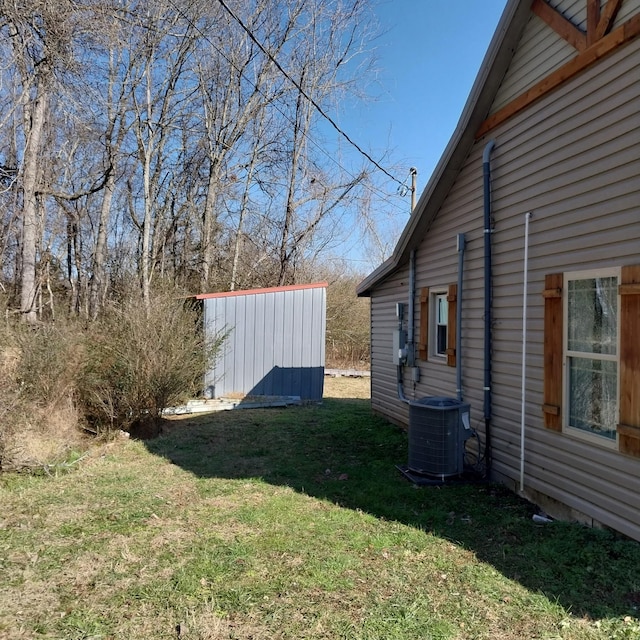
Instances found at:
x=340 y=452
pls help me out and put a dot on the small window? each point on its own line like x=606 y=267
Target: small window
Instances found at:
x=437 y=335
x=441 y=323
x=591 y=353
x=438 y=323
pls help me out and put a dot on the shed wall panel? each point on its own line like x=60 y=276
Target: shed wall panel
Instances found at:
x=275 y=344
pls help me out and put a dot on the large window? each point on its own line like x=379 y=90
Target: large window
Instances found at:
x=591 y=353
x=592 y=356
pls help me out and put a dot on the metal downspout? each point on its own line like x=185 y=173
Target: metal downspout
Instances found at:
x=486 y=172
x=410 y=345
x=399 y=380
x=461 y=247
x=411 y=325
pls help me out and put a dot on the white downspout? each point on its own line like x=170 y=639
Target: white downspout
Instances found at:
x=524 y=348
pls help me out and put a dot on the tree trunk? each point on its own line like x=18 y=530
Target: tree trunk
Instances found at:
x=97 y=283
x=239 y=232
x=34 y=124
x=208 y=225
x=300 y=127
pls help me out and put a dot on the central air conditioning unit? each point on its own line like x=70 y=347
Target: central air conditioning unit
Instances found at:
x=438 y=430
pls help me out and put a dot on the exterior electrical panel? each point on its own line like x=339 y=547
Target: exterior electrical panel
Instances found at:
x=399 y=346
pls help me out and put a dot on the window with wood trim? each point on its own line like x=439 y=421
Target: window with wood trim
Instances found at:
x=592 y=355
x=437 y=335
x=440 y=324
x=591 y=352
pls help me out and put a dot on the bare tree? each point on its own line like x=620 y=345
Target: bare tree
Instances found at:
x=43 y=37
x=115 y=129
x=238 y=82
x=328 y=38
x=164 y=44
x=173 y=140
x=35 y=42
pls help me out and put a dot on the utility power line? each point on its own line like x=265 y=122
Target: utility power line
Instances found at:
x=382 y=195
x=318 y=108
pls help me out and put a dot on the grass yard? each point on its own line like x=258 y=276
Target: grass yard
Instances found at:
x=290 y=524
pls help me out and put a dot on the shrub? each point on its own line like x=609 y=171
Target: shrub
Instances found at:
x=116 y=373
x=138 y=362
x=38 y=368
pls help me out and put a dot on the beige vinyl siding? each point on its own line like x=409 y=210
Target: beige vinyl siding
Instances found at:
x=628 y=9
x=541 y=50
x=573 y=161
x=437 y=265
x=576 y=11
x=384 y=391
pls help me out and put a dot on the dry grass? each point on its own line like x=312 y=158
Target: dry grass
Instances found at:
x=46 y=439
x=347 y=387
x=38 y=418
x=294 y=524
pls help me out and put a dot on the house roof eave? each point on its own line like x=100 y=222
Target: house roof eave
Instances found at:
x=483 y=92
x=363 y=290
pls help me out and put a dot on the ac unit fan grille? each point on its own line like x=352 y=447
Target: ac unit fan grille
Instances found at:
x=437 y=436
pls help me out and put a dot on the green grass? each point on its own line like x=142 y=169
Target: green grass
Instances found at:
x=295 y=523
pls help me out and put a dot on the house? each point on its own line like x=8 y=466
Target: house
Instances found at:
x=517 y=274
x=274 y=345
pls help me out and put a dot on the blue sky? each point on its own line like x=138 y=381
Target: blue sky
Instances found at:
x=428 y=56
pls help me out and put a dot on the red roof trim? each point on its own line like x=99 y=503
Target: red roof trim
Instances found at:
x=293 y=287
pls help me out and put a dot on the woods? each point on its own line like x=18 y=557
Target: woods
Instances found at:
x=178 y=144
x=154 y=150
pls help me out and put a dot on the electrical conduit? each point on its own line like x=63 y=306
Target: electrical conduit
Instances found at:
x=411 y=353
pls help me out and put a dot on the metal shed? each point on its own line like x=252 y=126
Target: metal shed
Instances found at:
x=275 y=344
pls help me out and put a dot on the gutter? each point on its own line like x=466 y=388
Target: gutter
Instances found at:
x=461 y=243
